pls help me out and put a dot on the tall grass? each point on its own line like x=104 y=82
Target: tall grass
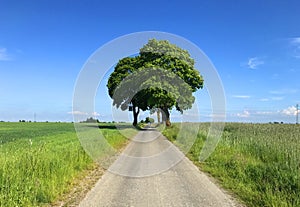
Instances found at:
x=259 y=162
x=39 y=161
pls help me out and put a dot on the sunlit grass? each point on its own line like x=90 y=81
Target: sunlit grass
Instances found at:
x=259 y=162
x=39 y=161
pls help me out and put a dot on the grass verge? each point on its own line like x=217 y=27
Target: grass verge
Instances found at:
x=258 y=162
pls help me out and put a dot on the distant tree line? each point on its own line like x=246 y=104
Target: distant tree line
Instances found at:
x=91 y=120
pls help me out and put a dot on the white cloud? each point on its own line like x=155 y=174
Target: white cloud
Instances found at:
x=286 y=115
x=4 y=55
x=216 y=115
x=244 y=114
x=78 y=113
x=95 y=114
x=254 y=62
x=290 y=111
x=241 y=96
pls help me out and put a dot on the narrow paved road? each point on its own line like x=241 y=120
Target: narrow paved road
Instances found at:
x=153 y=172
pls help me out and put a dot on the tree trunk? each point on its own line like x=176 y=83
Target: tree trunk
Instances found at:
x=166 y=116
x=135 y=114
x=158 y=115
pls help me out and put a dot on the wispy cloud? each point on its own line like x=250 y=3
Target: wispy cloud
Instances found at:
x=216 y=115
x=295 y=43
x=241 y=96
x=284 y=91
x=4 y=54
x=82 y=113
x=277 y=98
x=254 y=62
x=264 y=113
x=253 y=113
x=285 y=114
x=264 y=99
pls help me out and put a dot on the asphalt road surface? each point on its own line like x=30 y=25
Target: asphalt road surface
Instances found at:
x=151 y=171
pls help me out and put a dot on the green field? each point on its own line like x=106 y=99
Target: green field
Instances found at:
x=40 y=161
x=259 y=162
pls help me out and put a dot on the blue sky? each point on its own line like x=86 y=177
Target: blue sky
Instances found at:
x=254 y=45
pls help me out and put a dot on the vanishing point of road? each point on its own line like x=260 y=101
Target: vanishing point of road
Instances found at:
x=152 y=172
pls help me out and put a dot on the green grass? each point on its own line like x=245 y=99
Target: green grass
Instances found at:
x=40 y=161
x=259 y=162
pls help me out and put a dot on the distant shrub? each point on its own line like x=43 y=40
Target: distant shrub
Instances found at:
x=149 y=120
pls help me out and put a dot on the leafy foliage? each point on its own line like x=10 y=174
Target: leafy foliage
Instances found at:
x=149 y=120
x=161 y=76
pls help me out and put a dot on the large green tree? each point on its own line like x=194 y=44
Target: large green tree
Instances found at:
x=161 y=76
x=124 y=99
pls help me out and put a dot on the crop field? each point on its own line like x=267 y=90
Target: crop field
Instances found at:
x=39 y=161
x=258 y=162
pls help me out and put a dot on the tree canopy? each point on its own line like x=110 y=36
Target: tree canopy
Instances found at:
x=162 y=76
